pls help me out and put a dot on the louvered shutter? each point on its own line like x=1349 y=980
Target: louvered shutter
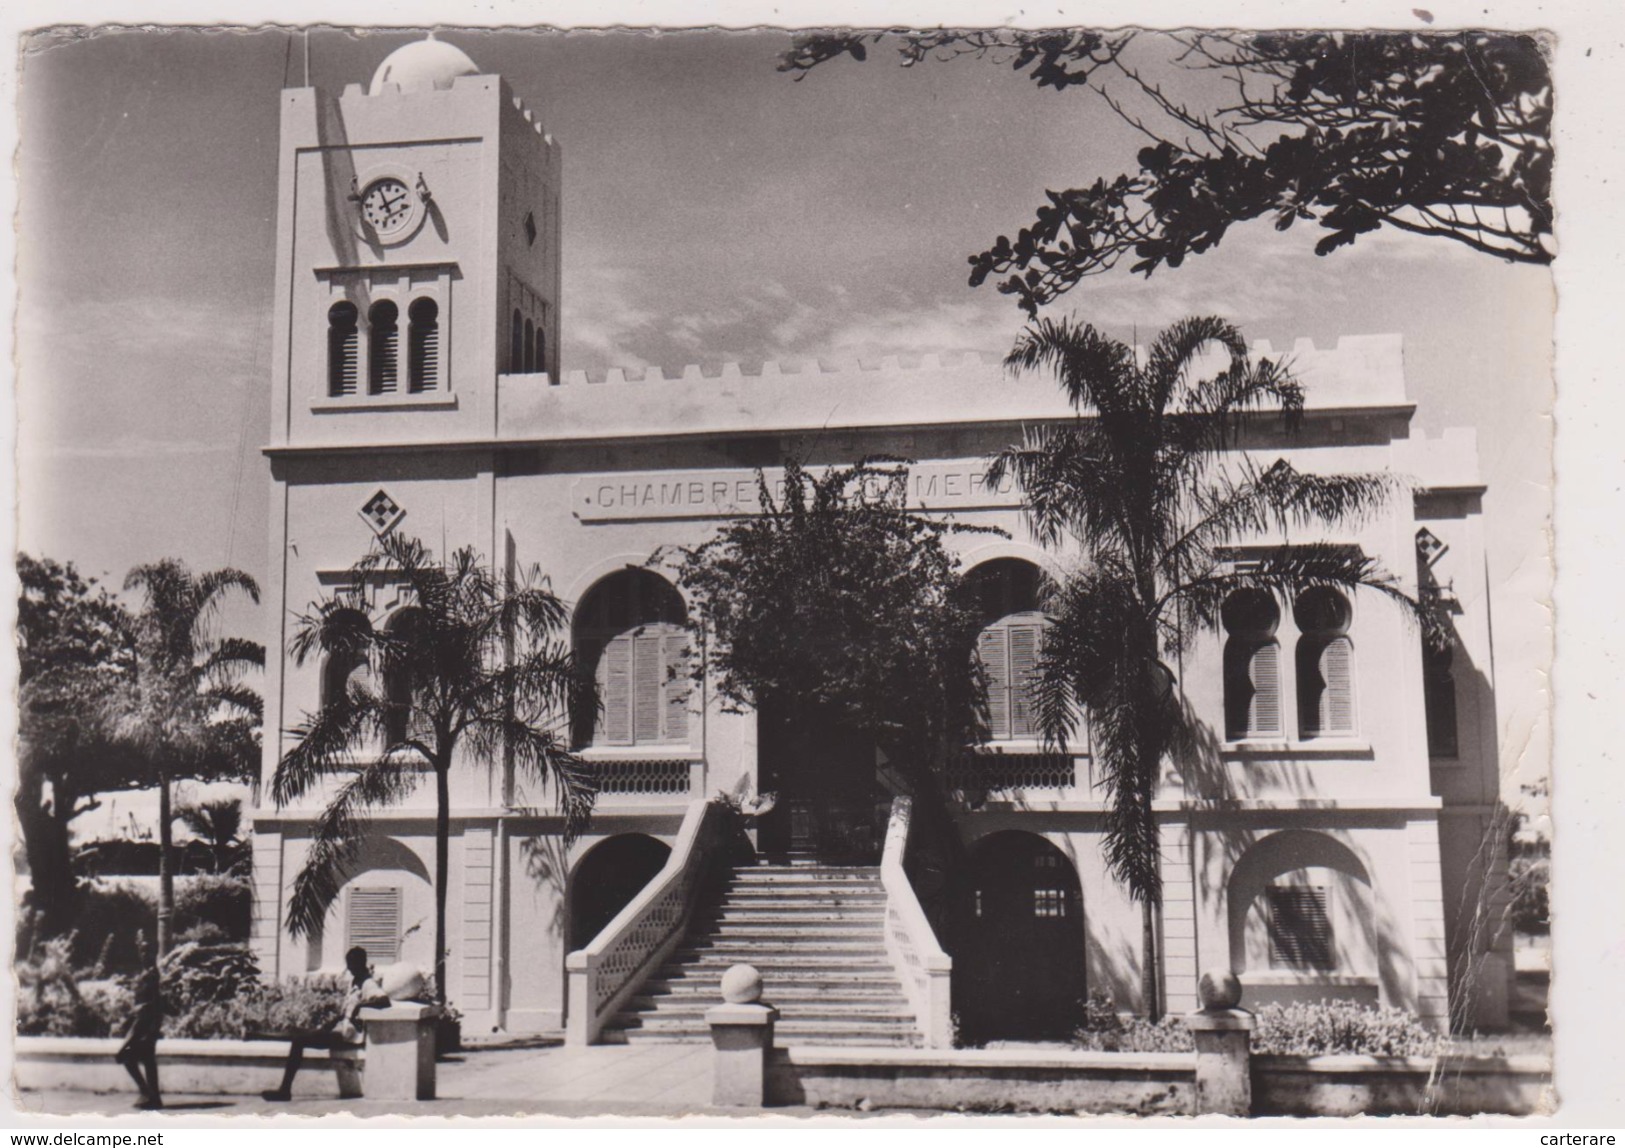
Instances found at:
x=990 y=648
x=615 y=691
x=373 y=921
x=1264 y=675
x=425 y=355
x=385 y=365
x=1337 y=694
x=676 y=685
x=1300 y=928
x=648 y=672
x=342 y=353
x=1024 y=646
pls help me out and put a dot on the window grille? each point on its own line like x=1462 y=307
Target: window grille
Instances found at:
x=424 y=346
x=1300 y=928
x=644 y=776
x=343 y=349
x=383 y=348
x=1049 y=902
x=373 y=921
x=1005 y=772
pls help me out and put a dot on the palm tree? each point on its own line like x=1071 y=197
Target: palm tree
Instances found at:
x=184 y=712
x=217 y=823
x=1149 y=481
x=473 y=669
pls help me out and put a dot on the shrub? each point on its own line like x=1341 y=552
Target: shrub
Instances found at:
x=1531 y=905
x=194 y=975
x=263 y=1011
x=1333 y=1027
x=225 y=902
x=110 y=916
x=1103 y=1030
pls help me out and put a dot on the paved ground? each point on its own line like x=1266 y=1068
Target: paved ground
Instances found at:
x=632 y=1080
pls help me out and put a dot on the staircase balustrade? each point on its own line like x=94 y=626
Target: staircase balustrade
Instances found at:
x=606 y=973
x=911 y=943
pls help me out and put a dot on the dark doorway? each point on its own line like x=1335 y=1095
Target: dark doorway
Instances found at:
x=830 y=806
x=1018 y=941
x=607 y=879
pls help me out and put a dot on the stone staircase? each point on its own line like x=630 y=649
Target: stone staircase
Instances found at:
x=815 y=932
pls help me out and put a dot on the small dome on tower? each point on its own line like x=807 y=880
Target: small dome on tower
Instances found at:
x=423 y=65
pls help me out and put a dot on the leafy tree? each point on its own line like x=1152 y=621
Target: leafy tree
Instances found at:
x=473 y=670
x=1148 y=482
x=74 y=644
x=1438 y=134
x=837 y=606
x=184 y=712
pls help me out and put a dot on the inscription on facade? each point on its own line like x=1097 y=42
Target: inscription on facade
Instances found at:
x=733 y=493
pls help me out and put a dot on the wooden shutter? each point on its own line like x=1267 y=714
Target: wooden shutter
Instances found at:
x=1337 y=694
x=1264 y=676
x=1025 y=642
x=1300 y=928
x=990 y=648
x=373 y=921
x=615 y=691
x=676 y=685
x=648 y=672
x=385 y=359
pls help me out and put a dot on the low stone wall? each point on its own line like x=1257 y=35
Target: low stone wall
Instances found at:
x=204 y=1067
x=1397 y=1086
x=984 y=1079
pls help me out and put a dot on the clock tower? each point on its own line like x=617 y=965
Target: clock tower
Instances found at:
x=417 y=271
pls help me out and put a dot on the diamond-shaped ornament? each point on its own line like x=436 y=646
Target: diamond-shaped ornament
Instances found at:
x=530 y=228
x=381 y=512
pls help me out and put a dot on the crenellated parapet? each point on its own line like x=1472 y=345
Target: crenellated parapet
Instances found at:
x=1361 y=372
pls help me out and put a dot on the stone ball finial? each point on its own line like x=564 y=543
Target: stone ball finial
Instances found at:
x=1219 y=989
x=742 y=984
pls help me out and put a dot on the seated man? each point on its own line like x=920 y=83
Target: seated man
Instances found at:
x=345 y=1031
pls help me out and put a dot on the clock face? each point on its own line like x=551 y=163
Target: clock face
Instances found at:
x=386 y=206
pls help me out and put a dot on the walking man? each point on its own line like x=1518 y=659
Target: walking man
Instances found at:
x=139 y=1053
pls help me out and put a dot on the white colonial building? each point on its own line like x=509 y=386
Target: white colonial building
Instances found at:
x=1336 y=839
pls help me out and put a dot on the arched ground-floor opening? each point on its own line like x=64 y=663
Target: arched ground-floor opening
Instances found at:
x=608 y=877
x=1018 y=941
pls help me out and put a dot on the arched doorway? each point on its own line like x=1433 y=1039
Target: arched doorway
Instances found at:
x=1018 y=941
x=606 y=880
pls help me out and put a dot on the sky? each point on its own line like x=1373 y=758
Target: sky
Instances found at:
x=714 y=210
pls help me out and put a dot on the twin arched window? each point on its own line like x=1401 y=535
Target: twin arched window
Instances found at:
x=527 y=349
x=383 y=348
x=1323 y=664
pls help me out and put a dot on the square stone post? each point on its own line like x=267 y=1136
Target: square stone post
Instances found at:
x=742 y=1034
x=1224 y=1081
x=400 y=1052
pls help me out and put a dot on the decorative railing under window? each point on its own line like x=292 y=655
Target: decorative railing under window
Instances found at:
x=605 y=974
x=643 y=778
x=921 y=965
x=1008 y=772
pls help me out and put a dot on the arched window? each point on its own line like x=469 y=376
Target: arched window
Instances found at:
x=1325 y=664
x=342 y=348
x=340 y=668
x=406 y=629
x=530 y=346
x=423 y=345
x=541 y=349
x=1252 y=666
x=516 y=345
x=1007 y=595
x=630 y=629
x=383 y=348
x=1439 y=700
